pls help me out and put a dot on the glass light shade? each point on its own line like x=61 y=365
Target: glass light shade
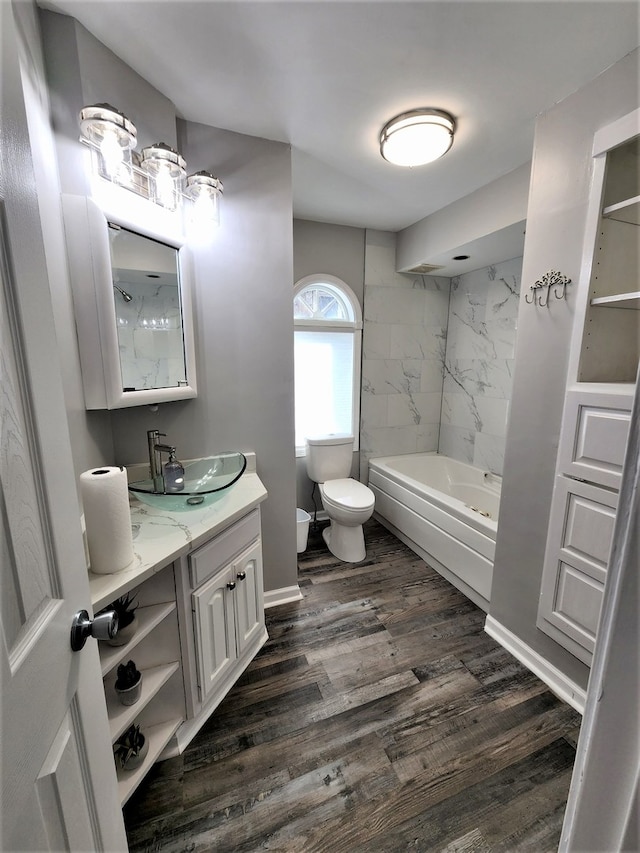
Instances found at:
x=166 y=167
x=99 y=120
x=112 y=136
x=204 y=190
x=203 y=183
x=417 y=137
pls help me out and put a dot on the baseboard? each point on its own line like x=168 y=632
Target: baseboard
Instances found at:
x=555 y=680
x=284 y=595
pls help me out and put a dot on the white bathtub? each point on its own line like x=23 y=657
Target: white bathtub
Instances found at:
x=445 y=511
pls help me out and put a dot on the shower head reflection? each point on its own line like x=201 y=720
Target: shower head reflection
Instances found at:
x=126 y=296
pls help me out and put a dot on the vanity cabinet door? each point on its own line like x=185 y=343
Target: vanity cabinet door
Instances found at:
x=249 y=598
x=215 y=630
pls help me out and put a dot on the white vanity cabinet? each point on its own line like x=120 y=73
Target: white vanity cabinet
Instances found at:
x=603 y=366
x=197 y=578
x=228 y=617
x=222 y=611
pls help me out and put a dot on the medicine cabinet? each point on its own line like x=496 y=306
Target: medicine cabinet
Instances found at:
x=131 y=286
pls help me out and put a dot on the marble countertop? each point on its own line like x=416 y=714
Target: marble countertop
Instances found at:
x=160 y=536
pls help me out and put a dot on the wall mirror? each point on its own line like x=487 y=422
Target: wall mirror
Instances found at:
x=131 y=292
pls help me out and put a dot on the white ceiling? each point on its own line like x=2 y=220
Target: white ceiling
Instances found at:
x=325 y=76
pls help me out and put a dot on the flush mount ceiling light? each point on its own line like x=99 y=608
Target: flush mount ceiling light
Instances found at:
x=417 y=137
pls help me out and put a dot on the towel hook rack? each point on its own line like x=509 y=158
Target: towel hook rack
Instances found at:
x=541 y=288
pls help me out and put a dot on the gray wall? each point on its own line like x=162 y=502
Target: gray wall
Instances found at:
x=244 y=326
x=466 y=223
x=555 y=227
x=338 y=250
x=319 y=247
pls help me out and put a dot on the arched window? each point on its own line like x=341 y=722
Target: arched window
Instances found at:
x=327 y=343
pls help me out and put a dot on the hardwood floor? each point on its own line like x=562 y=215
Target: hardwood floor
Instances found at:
x=378 y=717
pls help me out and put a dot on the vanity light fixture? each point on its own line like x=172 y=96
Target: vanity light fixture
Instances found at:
x=205 y=190
x=417 y=137
x=110 y=133
x=167 y=168
x=158 y=173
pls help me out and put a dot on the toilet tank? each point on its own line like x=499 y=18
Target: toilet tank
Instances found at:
x=329 y=457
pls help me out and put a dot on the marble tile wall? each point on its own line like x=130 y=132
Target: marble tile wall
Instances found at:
x=478 y=364
x=150 y=335
x=403 y=349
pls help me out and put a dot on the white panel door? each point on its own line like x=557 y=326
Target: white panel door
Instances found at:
x=56 y=751
x=249 y=596
x=58 y=776
x=575 y=567
x=594 y=435
x=214 y=626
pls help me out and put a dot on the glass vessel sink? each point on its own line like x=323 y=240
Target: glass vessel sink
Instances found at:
x=205 y=481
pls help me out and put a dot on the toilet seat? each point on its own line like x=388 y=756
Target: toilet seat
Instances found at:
x=348 y=494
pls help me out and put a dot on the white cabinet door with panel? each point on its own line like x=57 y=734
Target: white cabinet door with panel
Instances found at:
x=249 y=597
x=594 y=435
x=575 y=568
x=228 y=618
x=224 y=626
x=215 y=630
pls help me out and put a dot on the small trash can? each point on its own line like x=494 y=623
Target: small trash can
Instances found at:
x=302 y=529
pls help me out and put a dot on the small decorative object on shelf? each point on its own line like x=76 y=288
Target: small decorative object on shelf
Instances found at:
x=125 y=607
x=550 y=279
x=130 y=749
x=128 y=683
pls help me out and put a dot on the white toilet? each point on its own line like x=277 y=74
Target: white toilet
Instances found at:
x=347 y=502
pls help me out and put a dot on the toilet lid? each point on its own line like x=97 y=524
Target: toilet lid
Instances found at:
x=348 y=493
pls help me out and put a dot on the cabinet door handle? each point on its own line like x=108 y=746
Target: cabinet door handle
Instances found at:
x=231 y=585
x=241 y=576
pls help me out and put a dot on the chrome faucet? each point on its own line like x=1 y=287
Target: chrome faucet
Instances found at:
x=156 y=449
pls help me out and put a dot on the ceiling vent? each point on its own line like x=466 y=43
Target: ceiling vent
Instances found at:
x=424 y=269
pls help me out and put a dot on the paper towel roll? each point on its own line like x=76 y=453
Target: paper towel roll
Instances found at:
x=106 y=511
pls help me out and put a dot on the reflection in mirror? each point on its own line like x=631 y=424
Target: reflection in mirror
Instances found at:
x=148 y=311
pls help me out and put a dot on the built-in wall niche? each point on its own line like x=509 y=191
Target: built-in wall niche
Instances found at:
x=611 y=340
x=131 y=290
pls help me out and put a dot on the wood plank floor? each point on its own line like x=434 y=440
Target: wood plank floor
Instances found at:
x=378 y=717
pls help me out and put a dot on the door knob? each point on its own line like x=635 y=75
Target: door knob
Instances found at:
x=231 y=585
x=103 y=627
x=241 y=576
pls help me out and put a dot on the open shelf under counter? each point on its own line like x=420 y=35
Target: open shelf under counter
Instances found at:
x=148 y=617
x=619 y=300
x=122 y=716
x=159 y=736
